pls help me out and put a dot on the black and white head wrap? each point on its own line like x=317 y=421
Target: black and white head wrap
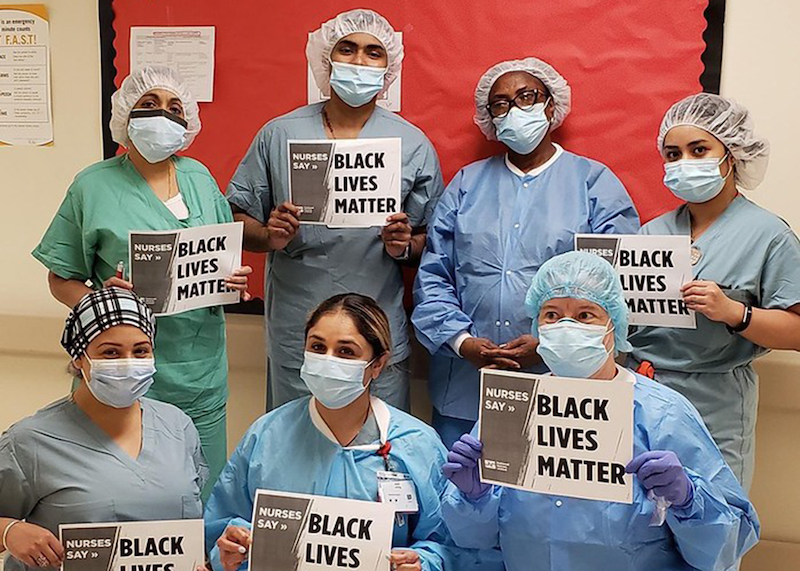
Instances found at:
x=101 y=310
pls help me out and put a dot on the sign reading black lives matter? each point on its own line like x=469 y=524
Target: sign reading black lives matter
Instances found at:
x=346 y=183
x=552 y=435
x=133 y=546
x=297 y=532
x=652 y=270
x=178 y=270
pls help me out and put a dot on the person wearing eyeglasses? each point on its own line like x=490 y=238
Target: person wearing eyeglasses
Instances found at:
x=498 y=220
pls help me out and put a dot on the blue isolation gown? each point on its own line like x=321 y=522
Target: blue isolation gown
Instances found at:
x=291 y=449
x=492 y=230
x=552 y=533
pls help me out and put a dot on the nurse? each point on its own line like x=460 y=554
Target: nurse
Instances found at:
x=105 y=453
x=498 y=221
x=355 y=57
x=580 y=318
x=746 y=262
x=149 y=188
x=333 y=443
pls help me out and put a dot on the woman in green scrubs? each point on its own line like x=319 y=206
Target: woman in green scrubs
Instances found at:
x=148 y=188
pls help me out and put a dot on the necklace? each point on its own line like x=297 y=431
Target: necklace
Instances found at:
x=328 y=123
x=170 y=183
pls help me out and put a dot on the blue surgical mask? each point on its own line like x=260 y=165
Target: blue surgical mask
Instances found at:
x=522 y=131
x=695 y=180
x=156 y=137
x=333 y=381
x=120 y=382
x=356 y=85
x=573 y=349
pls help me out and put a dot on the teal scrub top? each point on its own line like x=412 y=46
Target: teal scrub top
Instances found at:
x=89 y=236
x=58 y=467
x=753 y=256
x=321 y=262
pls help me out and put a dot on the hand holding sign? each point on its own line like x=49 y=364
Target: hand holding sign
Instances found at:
x=35 y=546
x=707 y=298
x=282 y=226
x=233 y=546
x=238 y=281
x=462 y=467
x=396 y=235
x=405 y=560
x=662 y=472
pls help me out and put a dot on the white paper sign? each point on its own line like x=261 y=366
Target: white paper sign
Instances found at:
x=652 y=270
x=187 y=49
x=345 y=183
x=178 y=270
x=308 y=533
x=389 y=100
x=553 y=435
x=25 y=106
x=133 y=546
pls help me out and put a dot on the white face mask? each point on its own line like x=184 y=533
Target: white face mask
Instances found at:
x=695 y=180
x=573 y=349
x=156 y=134
x=333 y=381
x=120 y=382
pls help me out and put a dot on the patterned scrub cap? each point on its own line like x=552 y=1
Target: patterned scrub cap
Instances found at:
x=101 y=310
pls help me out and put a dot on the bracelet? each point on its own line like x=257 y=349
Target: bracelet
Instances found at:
x=5 y=532
x=748 y=316
x=405 y=256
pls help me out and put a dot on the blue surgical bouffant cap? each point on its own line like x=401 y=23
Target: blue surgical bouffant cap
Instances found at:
x=581 y=275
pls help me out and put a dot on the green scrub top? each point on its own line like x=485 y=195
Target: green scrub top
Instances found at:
x=89 y=236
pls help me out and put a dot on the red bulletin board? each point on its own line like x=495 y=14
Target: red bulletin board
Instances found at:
x=626 y=62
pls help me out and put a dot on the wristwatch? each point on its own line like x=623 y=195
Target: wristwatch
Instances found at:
x=748 y=315
x=404 y=257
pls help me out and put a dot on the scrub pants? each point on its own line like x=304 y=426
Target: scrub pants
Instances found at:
x=728 y=403
x=392 y=386
x=450 y=428
x=212 y=427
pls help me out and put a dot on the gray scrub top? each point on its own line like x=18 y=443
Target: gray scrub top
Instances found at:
x=321 y=262
x=58 y=466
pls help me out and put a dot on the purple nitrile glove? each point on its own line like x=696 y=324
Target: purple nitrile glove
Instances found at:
x=462 y=467
x=662 y=472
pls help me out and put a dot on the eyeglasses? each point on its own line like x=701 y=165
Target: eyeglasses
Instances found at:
x=525 y=101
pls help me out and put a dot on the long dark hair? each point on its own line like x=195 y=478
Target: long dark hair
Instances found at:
x=368 y=317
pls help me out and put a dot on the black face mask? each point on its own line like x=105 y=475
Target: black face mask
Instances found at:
x=136 y=113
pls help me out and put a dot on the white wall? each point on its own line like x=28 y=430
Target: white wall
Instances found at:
x=33 y=180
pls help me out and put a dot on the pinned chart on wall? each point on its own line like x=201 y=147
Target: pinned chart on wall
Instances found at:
x=652 y=270
x=390 y=99
x=187 y=49
x=26 y=117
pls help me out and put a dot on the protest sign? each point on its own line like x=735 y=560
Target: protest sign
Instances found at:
x=178 y=270
x=553 y=435
x=302 y=533
x=133 y=546
x=652 y=270
x=345 y=183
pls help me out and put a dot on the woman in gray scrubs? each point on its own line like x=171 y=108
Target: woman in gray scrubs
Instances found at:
x=104 y=453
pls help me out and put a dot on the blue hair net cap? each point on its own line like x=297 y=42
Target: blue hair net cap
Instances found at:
x=581 y=275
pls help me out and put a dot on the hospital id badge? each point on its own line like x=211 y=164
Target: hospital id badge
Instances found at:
x=398 y=490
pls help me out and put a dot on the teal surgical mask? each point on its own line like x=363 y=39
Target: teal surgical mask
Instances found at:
x=356 y=85
x=522 y=131
x=120 y=382
x=573 y=349
x=695 y=180
x=156 y=134
x=333 y=381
